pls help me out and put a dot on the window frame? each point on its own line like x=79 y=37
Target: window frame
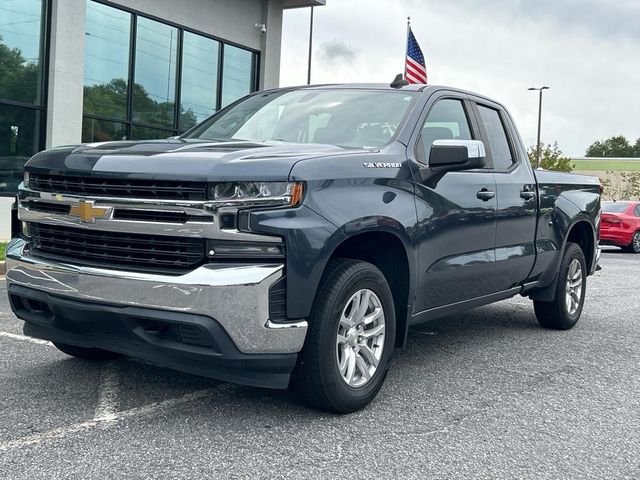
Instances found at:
x=506 y=126
x=417 y=148
x=41 y=106
x=175 y=128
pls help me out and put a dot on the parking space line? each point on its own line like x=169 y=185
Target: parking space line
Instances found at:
x=24 y=338
x=107 y=407
x=106 y=421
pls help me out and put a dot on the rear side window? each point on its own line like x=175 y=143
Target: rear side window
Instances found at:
x=497 y=138
x=614 y=207
x=446 y=120
x=637 y=211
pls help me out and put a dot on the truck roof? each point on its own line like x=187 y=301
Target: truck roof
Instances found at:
x=386 y=86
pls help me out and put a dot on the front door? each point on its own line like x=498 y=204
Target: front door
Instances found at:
x=456 y=216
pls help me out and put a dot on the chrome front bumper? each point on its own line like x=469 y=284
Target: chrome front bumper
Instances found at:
x=235 y=296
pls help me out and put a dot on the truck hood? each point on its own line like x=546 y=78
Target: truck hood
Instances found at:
x=178 y=159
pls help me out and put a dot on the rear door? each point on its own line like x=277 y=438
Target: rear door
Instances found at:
x=516 y=194
x=456 y=222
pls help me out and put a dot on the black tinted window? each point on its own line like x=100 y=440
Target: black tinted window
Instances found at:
x=446 y=120
x=497 y=138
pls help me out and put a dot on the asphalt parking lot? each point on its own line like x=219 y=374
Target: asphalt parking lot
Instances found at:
x=485 y=395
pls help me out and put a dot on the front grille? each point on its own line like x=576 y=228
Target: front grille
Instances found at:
x=114 y=249
x=47 y=207
x=119 y=187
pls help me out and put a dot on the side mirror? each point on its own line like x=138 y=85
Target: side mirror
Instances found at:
x=454 y=155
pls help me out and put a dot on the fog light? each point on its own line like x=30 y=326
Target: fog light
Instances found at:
x=241 y=250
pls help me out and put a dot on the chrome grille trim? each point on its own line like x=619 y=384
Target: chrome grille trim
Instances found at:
x=191 y=228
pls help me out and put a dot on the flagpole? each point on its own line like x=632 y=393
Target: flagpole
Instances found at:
x=406 y=47
x=310 y=47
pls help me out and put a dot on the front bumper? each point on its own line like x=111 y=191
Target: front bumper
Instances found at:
x=234 y=297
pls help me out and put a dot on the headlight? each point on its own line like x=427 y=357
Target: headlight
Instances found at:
x=25 y=180
x=239 y=194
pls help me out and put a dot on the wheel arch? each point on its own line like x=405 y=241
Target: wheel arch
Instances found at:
x=391 y=253
x=581 y=232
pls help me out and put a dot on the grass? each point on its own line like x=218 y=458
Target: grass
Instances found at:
x=606 y=165
x=3 y=250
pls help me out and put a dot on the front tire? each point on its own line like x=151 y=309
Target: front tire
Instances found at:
x=93 y=354
x=350 y=341
x=564 y=311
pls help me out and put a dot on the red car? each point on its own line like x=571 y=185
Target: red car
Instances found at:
x=620 y=225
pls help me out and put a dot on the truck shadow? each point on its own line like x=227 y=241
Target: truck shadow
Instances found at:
x=430 y=346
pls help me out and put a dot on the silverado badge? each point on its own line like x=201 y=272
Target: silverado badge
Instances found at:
x=382 y=165
x=87 y=212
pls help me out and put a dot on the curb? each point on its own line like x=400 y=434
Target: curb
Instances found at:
x=3 y=267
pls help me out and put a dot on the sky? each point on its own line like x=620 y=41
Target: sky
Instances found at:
x=587 y=51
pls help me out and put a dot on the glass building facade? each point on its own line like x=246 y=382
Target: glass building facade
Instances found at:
x=22 y=87
x=148 y=79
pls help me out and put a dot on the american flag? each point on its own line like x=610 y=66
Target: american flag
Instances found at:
x=415 y=68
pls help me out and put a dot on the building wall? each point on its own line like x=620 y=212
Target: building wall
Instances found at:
x=5 y=218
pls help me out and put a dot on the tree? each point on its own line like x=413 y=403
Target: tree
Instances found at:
x=617 y=146
x=621 y=185
x=632 y=185
x=636 y=149
x=18 y=77
x=551 y=158
x=18 y=82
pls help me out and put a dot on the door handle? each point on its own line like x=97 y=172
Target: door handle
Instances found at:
x=526 y=193
x=485 y=195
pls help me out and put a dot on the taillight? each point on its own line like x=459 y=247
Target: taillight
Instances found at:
x=611 y=220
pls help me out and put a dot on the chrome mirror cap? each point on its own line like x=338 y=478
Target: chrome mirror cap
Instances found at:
x=475 y=148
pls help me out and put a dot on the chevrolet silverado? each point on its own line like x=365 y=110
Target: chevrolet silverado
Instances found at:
x=294 y=237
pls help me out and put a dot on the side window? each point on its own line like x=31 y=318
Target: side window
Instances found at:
x=637 y=211
x=446 y=120
x=497 y=138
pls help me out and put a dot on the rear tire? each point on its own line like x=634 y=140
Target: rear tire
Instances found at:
x=634 y=246
x=350 y=341
x=93 y=354
x=564 y=311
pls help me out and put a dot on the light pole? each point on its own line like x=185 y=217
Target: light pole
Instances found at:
x=539 y=89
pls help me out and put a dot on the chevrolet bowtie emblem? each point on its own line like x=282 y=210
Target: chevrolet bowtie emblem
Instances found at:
x=87 y=212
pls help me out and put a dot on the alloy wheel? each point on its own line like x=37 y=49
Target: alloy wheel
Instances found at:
x=574 y=287
x=360 y=338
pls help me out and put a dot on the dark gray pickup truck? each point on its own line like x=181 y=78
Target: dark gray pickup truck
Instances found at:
x=296 y=235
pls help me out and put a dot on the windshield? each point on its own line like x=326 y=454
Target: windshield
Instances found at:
x=346 y=118
x=614 y=207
